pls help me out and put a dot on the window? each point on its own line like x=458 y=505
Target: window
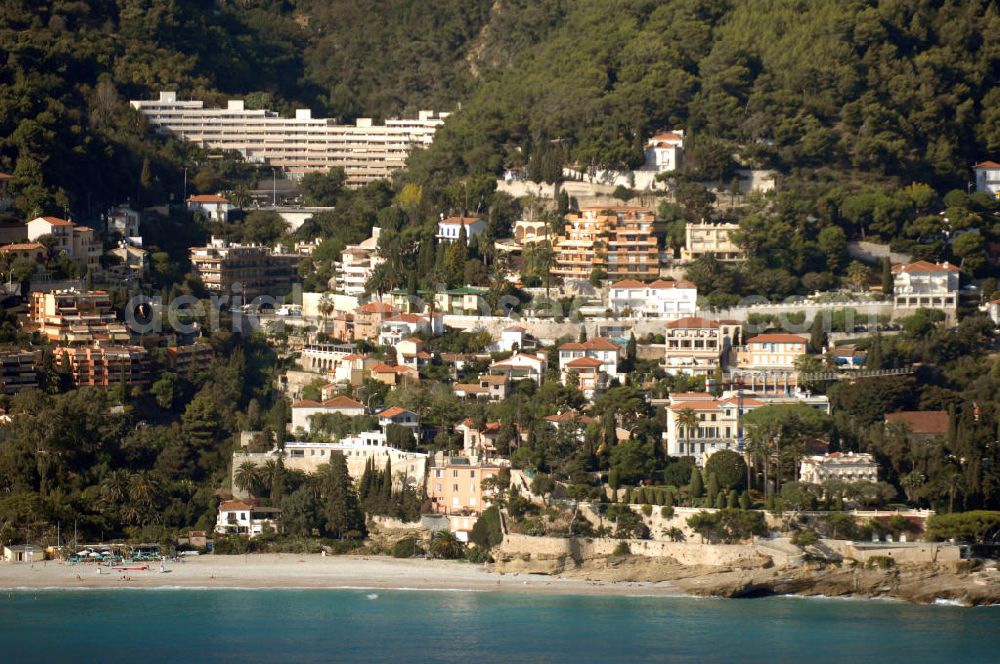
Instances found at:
x=437 y=487
x=438 y=473
x=454 y=487
x=454 y=473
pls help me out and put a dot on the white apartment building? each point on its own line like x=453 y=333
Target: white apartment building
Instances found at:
x=303 y=411
x=925 y=285
x=716 y=424
x=706 y=238
x=409 y=467
x=988 y=177
x=302 y=144
x=660 y=299
x=598 y=348
x=357 y=263
x=521 y=366
x=450 y=228
x=850 y=467
x=697 y=346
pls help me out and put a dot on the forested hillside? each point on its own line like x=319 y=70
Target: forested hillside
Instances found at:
x=819 y=88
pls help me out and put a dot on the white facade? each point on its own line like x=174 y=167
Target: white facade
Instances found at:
x=124 y=221
x=302 y=411
x=302 y=144
x=669 y=300
x=449 y=229
x=357 y=263
x=665 y=152
x=522 y=366
x=409 y=467
x=239 y=518
x=988 y=177
x=850 y=467
x=605 y=350
x=925 y=285
x=515 y=338
x=213 y=208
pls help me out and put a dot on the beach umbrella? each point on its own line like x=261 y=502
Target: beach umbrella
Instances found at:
x=94 y=554
x=83 y=553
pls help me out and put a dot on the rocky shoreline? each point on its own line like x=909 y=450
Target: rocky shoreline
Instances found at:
x=919 y=583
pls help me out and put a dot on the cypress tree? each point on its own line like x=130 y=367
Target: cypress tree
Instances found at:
x=712 y=486
x=696 y=487
x=720 y=500
x=745 y=500
x=732 y=502
x=887 y=280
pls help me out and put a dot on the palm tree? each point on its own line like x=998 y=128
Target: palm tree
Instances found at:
x=247 y=477
x=143 y=495
x=688 y=419
x=326 y=307
x=445 y=544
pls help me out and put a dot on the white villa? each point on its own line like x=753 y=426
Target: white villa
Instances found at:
x=450 y=228
x=925 y=285
x=239 y=518
x=659 y=299
x=850 y=467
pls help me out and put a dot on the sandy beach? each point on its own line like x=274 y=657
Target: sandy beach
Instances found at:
x=314 y=571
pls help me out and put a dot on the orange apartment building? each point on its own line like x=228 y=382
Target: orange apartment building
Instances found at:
x=186 y=360
x=364 y=323
x=76 y=317
x=105 y=366
x=454 y=484
x=619 y=241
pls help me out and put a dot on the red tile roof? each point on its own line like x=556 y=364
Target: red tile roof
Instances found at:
x=233 y=505
x=924 y=266
x=22 y=246
x=694 y=405
x=597 y=343
x=55 y=221
x=461 y=220
x=6 y=176
x=569 y=416
x=584 y=363
x=342 y=402
x=987 y=164
x=692 y=322
x=385 y=368
x=392 y=412
x=375 y=307
x=778 y=338
x=206 y=198
x=628 y=283
x=662 y=283
x=928 y=422
x=692 y=395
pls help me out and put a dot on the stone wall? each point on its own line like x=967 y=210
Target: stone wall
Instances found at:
x=579 y=549
x=922 y=552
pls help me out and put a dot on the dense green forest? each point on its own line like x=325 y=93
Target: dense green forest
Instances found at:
x=851 y=92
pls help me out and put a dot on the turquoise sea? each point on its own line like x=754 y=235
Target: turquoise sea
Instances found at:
x=141 y=625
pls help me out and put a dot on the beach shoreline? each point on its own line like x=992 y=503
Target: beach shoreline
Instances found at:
x=306 y=571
